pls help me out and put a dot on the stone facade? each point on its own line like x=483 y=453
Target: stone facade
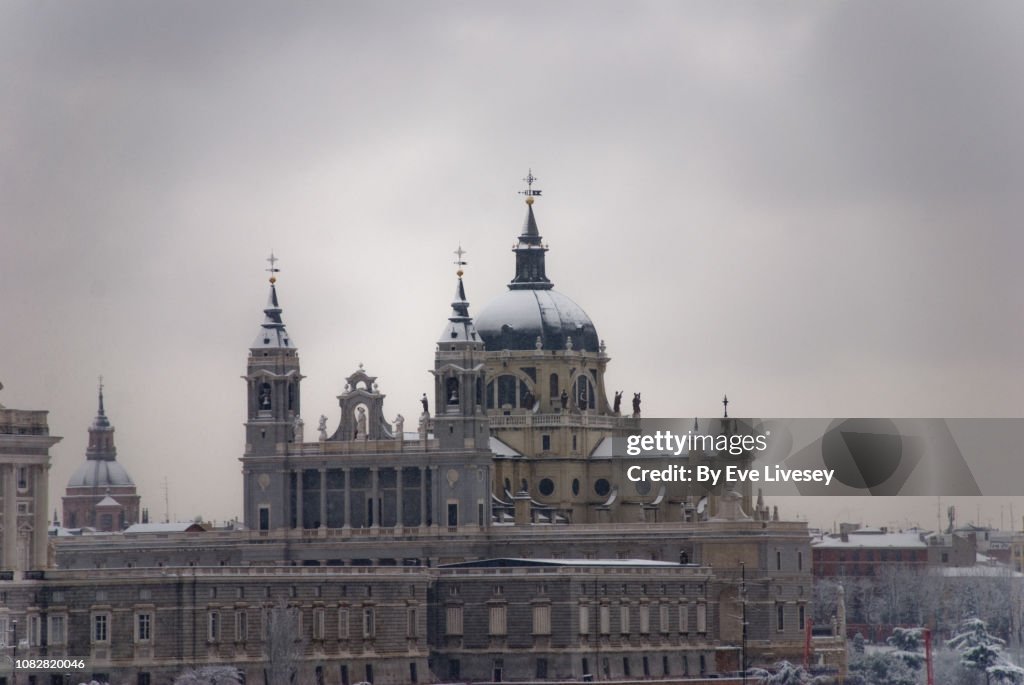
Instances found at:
x=25 y=443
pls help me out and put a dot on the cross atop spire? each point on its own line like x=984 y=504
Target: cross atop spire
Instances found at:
x=530 y=193
x=273 y=269
x=725 y=406
x=459 y=261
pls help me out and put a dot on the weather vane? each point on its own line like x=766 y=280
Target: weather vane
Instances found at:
x=530 y=193
x=273 y=270
x=459 y=261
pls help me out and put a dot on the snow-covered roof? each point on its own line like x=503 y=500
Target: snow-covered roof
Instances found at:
x=516 y=318
x=512 y=562
x=871 y=537
x=108 y=501
x=500 y=449
x=172 y=527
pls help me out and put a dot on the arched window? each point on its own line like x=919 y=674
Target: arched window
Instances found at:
x=553 y=390
x=451 y=390
x=507 y=385
x=264 y=398
x=584 y=393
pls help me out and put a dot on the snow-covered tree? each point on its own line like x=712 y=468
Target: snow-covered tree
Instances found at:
x=880 y=669
x=210 y=675
x=978 y=649
x=858 y=643
x=1005 y=673
x=908 y=643
x=785 y=673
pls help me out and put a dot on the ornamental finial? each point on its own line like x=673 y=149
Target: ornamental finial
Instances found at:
x=273 y=269
x=530 y=193
x=459 y=261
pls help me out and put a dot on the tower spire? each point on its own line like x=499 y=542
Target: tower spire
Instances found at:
x=100 y=412
x=460 y=327
x=272 y=331
x=530 y=249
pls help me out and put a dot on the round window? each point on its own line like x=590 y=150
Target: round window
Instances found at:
x=546 y=486
x=602 y=487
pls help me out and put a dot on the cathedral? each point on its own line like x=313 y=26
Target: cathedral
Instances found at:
x=495 y=538
x=522 y=428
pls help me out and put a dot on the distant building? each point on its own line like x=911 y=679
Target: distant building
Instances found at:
x=865 y=552
x=101 y=494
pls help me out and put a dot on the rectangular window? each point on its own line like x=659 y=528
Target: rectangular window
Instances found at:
x=584 y=619
x=799 y=561
x=453 y=621
x=213 y=626
x=318 y=623
x=34 y=627
x=100 y=625
x=702 y=618
x=369 y=622
x=58 y=629
x=780 y=617
x=411 y=622
x=541 y=672
x=342 y=623
x=624 y=619
x=801 y=618
x=143 y=626
x=542 y=619
x=241 y=625
x=545 y=442
x=497 y=623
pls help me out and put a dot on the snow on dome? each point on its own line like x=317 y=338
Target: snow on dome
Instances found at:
x=516 y=318
x=98 y=473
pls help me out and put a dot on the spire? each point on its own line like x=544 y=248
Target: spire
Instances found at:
x=101 y=433
x=272 y=333
x=530 y=249
x=725 y=406
x=101 y=421
x=460 y=326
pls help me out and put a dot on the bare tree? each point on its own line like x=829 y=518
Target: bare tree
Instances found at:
x=283 y=643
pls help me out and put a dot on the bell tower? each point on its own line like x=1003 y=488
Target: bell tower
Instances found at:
x=272 y=381
x=460 y=421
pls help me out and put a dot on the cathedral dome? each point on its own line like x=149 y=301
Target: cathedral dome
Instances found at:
x=516 y=318
x=100 y=473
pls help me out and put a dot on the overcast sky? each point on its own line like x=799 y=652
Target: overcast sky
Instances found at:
x=814 y=207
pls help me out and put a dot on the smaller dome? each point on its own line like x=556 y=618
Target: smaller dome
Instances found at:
x=100 y=473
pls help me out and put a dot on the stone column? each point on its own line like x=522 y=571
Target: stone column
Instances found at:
x=423 y=496
x=323 y=498
x=374 y=497
x=347 y=474
x=300 y=523
x=40 y=527
x=398 y=497
x=10 y=551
